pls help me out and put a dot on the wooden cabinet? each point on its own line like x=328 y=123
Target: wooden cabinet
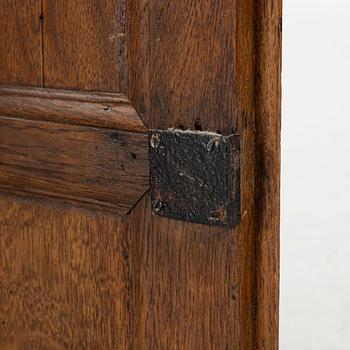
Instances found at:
x=84 y=262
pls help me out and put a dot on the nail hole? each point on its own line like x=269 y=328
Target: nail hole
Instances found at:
x=197 y=125
x=158 y=206
x=155 y=141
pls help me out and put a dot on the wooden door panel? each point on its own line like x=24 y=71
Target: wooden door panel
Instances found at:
x=64 y=279
x=84 y=44
x=65 y=275
x=20 y=42
x=139 y=281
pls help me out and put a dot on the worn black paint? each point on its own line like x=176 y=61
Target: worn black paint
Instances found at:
x=195 y=176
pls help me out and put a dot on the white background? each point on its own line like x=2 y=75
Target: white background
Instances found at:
x=315 y=231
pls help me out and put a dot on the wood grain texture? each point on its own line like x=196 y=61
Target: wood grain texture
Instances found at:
x=20 y=42
x=193 y=67
x=89 y=167
x=84 y=45
x=179 y=52
x=64 y=280
x=64 y=275
x=73 y=281
x=268 y=107
x=102 y=110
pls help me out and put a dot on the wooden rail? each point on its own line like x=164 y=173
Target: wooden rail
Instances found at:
x=74 y=147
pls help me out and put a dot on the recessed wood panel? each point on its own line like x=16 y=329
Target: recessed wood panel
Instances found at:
x=20 y=42
x=84 y=44
x=64 y=279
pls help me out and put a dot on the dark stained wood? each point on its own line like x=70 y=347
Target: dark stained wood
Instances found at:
x=84 y=44
x=89 y=167
x=268 y=106
x=64 y=280
x=193 y=67
x=103 y=110
x=20 y=42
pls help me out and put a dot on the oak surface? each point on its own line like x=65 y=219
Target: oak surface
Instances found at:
x=84 y=44
x=64 y=280
x=20 y=42
x=268 y=158
x=193 y=68
x=86 y=166
x=64 y=274
x=71 y=280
